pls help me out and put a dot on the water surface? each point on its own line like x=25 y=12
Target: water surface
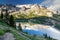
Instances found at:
x=51 y=32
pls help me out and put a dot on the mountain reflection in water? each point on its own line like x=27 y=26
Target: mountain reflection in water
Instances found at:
x=52 y=32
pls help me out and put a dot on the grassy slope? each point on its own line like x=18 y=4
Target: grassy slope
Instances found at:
x=19 y=35
x=56 y=18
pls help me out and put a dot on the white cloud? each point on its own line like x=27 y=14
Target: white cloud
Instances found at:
x=52 y=4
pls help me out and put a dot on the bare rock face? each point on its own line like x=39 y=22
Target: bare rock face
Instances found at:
x=35 y=9
x=8 y=36
x=1 y=38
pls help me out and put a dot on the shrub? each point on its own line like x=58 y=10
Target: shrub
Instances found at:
x=2 y=32
x=7 y=30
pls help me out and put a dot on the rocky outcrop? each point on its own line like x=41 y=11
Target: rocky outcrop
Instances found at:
x=35 y=9
x=7 y=36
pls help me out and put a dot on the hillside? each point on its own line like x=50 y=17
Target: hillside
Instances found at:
x=17 y=34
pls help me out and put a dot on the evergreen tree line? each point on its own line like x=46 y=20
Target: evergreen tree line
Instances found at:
x=9 y=19
x=48 y=38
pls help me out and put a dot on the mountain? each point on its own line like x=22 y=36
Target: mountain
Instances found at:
x=51 y=4
x=30 y=11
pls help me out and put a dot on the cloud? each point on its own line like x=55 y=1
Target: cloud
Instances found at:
x=52 y=4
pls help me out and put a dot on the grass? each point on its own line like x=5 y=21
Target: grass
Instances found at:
x=6 y=28
x=37 y=20
x=57 y=26
x=2 y=32
x=18 y=34
x=57 y=19
x=18 y=37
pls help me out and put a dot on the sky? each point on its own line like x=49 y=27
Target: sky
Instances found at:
x=51 y=4
x=21 y=1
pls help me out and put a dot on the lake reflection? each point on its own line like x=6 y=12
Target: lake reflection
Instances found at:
x=52 y=32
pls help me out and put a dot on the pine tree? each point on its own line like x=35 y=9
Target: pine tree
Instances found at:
x=1 y=15
x=45 y=35
x=20 y=28
x=6 y=14
x=11 y=21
